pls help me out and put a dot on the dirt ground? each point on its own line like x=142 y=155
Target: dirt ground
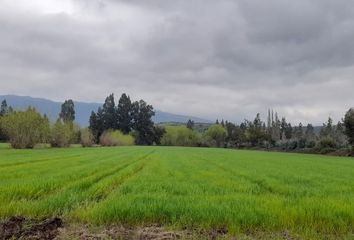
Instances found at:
x=55 y=228
x=22 y=228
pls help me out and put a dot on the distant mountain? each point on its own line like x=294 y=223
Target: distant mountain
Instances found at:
x=83 y=110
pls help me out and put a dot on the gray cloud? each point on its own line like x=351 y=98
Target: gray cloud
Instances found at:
x=226 y=59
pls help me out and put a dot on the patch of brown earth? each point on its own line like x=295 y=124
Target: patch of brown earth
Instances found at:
x=140 y=233
x=22 y=228
x=50 y=229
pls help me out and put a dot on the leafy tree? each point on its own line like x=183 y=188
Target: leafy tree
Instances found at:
x=86 y=138
x=158 y=134
x=61 y=134
x=215 y=135
x=4 y=109
x=116 y=138
x=299 y=132
x=283 y=127
x=327 y=129
x=143 y=125
x=339 y=135
x=109 y=116
x=124 y=114
x=327 y=135
x=67 y=113
x=179 y=136
x=256 y=133
x=310 y=136
x=349 y=126
x=190 y=124
x=235 y=134
x=96 y=124
x=288 y=132
x=25 y=129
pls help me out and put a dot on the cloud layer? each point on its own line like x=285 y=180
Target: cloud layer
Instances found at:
x=214 y=59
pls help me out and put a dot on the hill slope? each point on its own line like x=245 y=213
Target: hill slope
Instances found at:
x=83 y=109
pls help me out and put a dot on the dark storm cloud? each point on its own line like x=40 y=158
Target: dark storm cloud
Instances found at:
x=208 y=58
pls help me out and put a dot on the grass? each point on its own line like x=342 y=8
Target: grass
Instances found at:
x=242 y=191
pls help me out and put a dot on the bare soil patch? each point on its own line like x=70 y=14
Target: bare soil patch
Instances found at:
x=140 y=233
x=22 y=228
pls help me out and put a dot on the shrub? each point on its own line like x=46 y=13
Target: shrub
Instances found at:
x=179 y=136
x=116 y=138
x=61 y=134
x=327 y=142
x=76 y=133
x=86 y=138
x=215 y=136
x=327 y=150
x=311 y=144
x=26 y=128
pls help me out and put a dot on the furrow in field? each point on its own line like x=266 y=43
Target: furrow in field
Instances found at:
x=52 y=159
x=262 y=185
x=72 y=183
x=71 y=197
x=60 y=168
x=110 y=190
x=30 y=162
x=81 y=193
x=99 y=192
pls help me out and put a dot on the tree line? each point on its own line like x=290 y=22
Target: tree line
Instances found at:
x=130 y=122
x=274 y=133
x=126 y=123
x=134 y=118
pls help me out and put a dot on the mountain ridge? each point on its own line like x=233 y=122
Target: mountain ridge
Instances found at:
x=83 y=109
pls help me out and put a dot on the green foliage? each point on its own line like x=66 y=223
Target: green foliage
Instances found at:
x=62 y=134
x=310 y=196
x=109 y=115
x=235 y=135
x=215 y=136
x=96 y=124
x=256 y=133
x=142 y=123
x=190 y=124
x=86 y=138
x=135 y=118
x=25 y=128
x=327 y=142
x=4 y=110
x=67 y=113
x=124 y=114
x=327 y=129
x=116 y=138
x=349 y=126
x=158 y=133
x=180 y=136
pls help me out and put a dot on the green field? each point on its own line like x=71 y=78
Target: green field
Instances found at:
x=242 y=191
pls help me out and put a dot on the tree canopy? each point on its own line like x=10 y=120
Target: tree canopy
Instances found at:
x=67 y=113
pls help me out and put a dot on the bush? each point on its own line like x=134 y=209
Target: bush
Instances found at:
x=25 y=129
x=327 y=150
x=116 y=138
x=179 y=136
x=215 y=136
x=61 y=134
x=311 y=144
x=86 y=138
x=327 y=142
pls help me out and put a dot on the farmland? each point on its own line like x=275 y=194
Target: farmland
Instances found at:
x=194 y=188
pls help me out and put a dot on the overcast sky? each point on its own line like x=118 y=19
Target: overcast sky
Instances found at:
x=208 y=58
